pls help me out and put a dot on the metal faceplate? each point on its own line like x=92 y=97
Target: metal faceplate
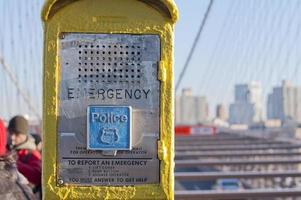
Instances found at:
x=108 y=70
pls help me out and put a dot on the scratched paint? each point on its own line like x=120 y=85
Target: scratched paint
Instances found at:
x=115 y=16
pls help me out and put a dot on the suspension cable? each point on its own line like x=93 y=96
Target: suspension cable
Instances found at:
x=15 y=81
x=194 y=44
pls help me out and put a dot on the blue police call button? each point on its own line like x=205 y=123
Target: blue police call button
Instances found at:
x=109 y=127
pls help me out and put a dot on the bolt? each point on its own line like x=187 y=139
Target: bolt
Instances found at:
x=60 y=181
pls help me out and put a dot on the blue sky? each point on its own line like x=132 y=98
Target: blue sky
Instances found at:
x=243 y=41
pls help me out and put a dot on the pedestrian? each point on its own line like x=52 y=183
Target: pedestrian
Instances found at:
x=13 y=185
x=28 y=157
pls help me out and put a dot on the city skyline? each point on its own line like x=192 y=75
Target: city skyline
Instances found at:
x=248 y=96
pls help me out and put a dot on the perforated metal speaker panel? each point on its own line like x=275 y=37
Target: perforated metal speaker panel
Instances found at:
x=108 y=69
x=110 y=63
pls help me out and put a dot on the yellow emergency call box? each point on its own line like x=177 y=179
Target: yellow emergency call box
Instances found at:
x=108 y=99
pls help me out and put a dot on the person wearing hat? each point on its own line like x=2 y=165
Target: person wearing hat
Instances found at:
x=13 y=185
x=29 y=158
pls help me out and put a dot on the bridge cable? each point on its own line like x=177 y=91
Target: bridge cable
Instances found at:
x=14 y=80
x=194 y=44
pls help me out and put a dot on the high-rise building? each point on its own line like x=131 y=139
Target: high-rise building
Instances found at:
x=247 y=107
x=284 y=102
x=191 y=109
x=275 y=104
x=178 y=110
x=201 y=109
x=298 y=105
x=221 y=112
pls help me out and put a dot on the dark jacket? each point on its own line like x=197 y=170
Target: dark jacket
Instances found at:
x=13 y=185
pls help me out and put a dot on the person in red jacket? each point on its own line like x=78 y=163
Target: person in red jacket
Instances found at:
x=29 y=158
x=13 y=185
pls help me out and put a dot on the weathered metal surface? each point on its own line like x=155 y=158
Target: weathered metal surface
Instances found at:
x=109 y=70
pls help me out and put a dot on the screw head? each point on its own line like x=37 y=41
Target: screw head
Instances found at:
x=60 y=181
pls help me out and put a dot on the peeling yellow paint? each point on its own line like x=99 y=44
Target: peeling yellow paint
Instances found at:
x=162 y=71
x=108 y=16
